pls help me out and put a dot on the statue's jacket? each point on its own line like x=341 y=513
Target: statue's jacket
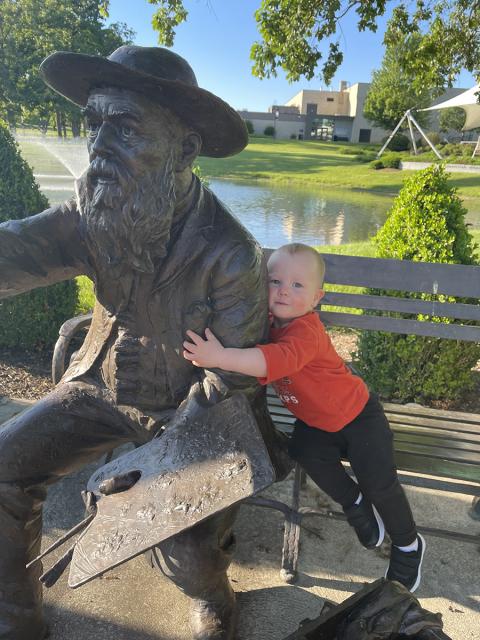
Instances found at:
x=213 y=275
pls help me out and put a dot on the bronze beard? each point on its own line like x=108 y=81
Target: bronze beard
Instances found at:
x=126 y=221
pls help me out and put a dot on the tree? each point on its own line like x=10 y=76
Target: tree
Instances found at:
x=300 y=35
x=32 y=29
x=392 y=92
x=452 y=119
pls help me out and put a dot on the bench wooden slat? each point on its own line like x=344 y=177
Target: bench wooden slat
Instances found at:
x=403 y=275
x=459 y=311
x=421 y=423
x=435 y=467
x=439 y=442
x=401 y=325
x=448 y=454
x=417 y=409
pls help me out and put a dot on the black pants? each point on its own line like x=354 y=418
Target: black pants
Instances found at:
x=74 y=425
x=366 y=443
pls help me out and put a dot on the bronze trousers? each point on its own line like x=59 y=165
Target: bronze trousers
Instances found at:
x=72 y=426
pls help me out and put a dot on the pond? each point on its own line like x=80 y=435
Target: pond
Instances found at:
x=276 y=215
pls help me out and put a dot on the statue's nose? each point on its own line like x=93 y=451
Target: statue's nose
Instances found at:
x=104 y=140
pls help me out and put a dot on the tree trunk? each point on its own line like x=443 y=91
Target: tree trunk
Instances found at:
x=58 y=122
x=11 y=120
x=76 y=125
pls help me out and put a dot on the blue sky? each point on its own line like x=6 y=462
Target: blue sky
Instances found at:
x=216 y=41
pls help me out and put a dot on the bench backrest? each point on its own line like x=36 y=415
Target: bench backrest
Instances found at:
x=437 y=280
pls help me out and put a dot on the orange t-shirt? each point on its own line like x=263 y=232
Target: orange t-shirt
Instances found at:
x=309 y=376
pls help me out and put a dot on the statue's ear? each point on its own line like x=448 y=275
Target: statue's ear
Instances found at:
x=191 y=146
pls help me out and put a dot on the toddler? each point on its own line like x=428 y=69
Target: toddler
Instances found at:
x=336 y=415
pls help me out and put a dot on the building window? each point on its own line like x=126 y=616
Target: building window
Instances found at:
x=330 y=100
x=364 y=135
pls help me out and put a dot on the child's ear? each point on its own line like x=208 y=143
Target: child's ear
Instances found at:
x=318 y=296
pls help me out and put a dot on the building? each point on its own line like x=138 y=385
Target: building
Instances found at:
x=326 y=115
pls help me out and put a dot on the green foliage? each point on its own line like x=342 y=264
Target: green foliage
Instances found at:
x=457 y=150
x=399 y=142
x=300 y=35
x=30 y=30
x=349 y=151
x=452 y=119
x=425 y=224
x=377 y=164
x=392 y=92
x=391 y=160
x=197 y=171
x=19 y=194
x=446 y=34
x=31 y=319
x=434 y=137
x=249 y=125
x=85 y=295
x=269 y=131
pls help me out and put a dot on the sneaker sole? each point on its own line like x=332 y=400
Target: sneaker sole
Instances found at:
x=381 y=527
x=419 y=575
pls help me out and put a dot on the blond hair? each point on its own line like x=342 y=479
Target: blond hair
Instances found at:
x=298 y=247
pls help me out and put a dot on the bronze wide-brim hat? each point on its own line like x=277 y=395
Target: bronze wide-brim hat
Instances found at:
x=162 y=76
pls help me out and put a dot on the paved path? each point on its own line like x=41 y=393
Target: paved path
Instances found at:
x=132 y=602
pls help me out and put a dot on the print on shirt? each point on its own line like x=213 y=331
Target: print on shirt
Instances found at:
x=281 y=388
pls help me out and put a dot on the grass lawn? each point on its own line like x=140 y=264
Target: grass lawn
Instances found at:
x=317 y=164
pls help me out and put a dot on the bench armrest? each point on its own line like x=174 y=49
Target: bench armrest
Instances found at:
x=66 y=333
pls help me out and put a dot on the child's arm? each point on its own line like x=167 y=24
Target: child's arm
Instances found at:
x=210 y=353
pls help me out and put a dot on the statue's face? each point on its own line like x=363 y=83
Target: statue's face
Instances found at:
x=131 y=131
x=127 y=195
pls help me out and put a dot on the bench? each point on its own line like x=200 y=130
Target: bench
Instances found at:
x=444 y=445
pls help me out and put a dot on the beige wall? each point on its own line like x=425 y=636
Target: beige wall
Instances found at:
x=329 y=103
x=357 y=93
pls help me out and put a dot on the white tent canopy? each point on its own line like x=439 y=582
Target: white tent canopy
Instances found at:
x=468 y=101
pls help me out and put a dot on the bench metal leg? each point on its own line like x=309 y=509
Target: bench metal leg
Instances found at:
x=291 y=536
x=474 y=511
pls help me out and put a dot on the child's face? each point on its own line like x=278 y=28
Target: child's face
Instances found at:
x=293 y=285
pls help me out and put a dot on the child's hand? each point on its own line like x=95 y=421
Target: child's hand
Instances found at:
x=203 y=353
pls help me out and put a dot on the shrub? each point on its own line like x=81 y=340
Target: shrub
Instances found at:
x=434 y=137
x=249 y=125
x=364 y=157
x=399 y=142
x=391 y=160
x=31 y=319
x=452 y=149
x=426 y=223
x=377 y=164
x=350 y=151
x=368 y=156
x=269 y=131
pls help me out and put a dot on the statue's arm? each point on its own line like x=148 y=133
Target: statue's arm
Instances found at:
x=40 y=250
